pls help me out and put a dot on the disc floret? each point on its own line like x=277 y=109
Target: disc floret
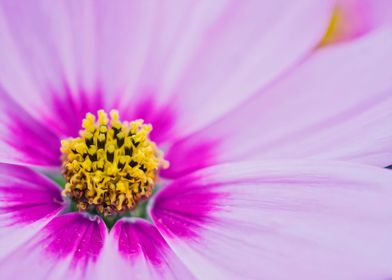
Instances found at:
x=112 y=165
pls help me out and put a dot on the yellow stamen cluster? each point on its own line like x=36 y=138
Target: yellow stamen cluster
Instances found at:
x=112 y=165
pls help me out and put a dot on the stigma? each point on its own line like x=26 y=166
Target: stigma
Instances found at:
x=112 y=165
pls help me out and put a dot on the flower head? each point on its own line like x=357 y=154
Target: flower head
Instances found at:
x=111 y=166
x=192 y=139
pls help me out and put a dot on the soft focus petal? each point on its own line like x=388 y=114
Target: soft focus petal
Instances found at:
x=46 y=44
x=353 y=18
x=336 y=105
x=51 y=50
x=136 y=249
x=67 y=248
x=279 y=220
x=28 y=201
x=44 y=69
x=48 y=62
x=61 y=59
x=226 y=50
x=23 y=139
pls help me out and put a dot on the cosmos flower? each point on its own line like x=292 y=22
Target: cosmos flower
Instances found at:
x=192 y=139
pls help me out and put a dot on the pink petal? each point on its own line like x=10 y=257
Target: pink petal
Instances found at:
x=39 y=78
x=49 y=61
x=336 y=105
x=227 y=52
x=182 y=51
x=137 y=249
x=38 y=52
x=273 y=220
x=46 y=45
x=28 y=201
x=68 y=247
x=25 y=140
x=354 y=18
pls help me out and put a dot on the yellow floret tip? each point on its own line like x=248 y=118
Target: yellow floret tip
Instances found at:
x=112 y=165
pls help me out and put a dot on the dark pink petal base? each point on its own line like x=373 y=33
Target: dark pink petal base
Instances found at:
x=136 y=248
x=67 y=247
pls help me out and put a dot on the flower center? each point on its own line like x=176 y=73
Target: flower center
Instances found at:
x=112 y=165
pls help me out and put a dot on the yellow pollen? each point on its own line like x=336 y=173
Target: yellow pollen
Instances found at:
x=112 y=165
